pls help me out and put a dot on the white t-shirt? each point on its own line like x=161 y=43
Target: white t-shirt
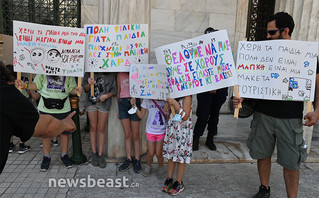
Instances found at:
x=156 y=123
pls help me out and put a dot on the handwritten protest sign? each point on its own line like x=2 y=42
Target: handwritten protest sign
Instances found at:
x=199 y=64
x=44 y=49
x=113 y=48
x=277 y=70
x=148 y=81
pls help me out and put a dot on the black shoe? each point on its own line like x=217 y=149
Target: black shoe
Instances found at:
x=210 y=141
x=11 y=147
x=45 y=164
x=23 y=148
x=263 y=192
x=196 y=142
x=66 y=161
x=55 y=143
x=137 y=167
x=211 y=145
x=126 y=165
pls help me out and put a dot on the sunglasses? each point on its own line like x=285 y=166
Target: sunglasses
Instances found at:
x=273 y=32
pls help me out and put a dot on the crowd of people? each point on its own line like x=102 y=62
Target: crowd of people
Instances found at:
x=169 y=131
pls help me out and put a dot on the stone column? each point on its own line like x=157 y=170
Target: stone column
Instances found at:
x=117 y=12
x=131 y=12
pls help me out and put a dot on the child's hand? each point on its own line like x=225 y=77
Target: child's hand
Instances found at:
x=91 y=81
x=171 y=101
x=133 y=101
x=19 y=83
x=166 y=107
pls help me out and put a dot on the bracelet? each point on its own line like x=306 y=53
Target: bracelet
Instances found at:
x=180 y=111
x=26 y=86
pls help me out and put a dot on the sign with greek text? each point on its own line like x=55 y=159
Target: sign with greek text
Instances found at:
x=277 y=69
x=113 y=48
x=45 y=49
x=199 y=64
x=148 y=81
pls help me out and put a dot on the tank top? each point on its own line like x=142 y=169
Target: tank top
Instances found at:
x=125 y=85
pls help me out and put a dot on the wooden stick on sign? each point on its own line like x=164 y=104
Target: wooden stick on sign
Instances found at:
x=172 y=110
x=30 y=78
x=79 y=85
x=92 y=86
x=236 y=112
x=19 y=78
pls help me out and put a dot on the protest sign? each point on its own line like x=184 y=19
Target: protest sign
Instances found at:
x=45 y=49
x=277 y=70
x=113 y=48
x=199 y=64
x=148 y=81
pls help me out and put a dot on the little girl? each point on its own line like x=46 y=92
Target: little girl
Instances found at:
x=177 y=147
x=98 y=109
x=155 y=133
x=130 y=123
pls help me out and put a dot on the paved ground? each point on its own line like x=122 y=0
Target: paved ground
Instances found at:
x=227 y=172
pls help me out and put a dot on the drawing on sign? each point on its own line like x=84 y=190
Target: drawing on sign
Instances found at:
x=36 y=55
x=53 y=55
x=298 y=88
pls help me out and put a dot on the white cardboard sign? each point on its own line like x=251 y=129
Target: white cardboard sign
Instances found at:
x=199 y=64
x=113 y=48
x=45 y=49
x=277 y=69
x=148 y=81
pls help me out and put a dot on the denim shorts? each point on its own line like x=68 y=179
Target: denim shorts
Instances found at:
x=59 y=116
x=287 y=134
x=97 y=107
x=125 y=106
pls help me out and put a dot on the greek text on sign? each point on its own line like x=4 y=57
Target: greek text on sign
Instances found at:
x=113 y=48
x=277 y=70
x=148 y=81
x=51 y=50
x=199 y=64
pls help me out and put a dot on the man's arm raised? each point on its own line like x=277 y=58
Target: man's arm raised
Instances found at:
x=48 y=126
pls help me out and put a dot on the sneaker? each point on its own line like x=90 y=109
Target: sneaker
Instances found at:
x=167 y=185
x=146 y=170
x=66 y=161
x=137 y=167
x=160 y=172
x=101 y=161
x=11 y=147
x=55 y=143
x=41 y=145
x=126 y=165
x=45 y=164
x=176 y=188
x=263 y=192
x=23 y=148
x=94 y=159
